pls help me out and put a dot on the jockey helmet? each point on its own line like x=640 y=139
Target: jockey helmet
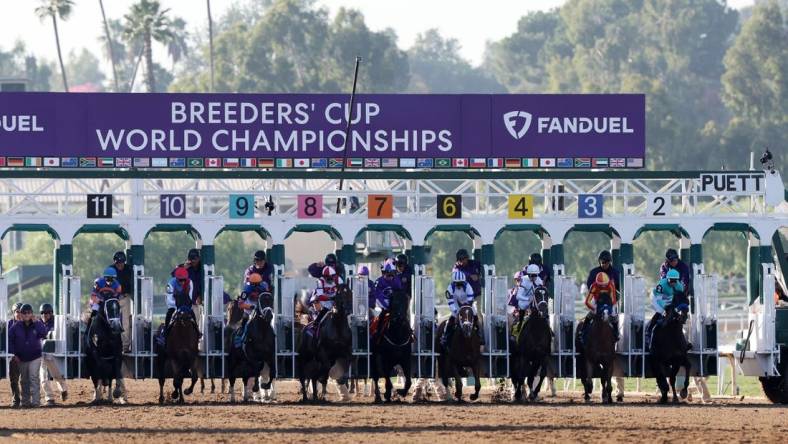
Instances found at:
x=181 y=273
x=193 y=254
x=329 y=273
x=16 y=307
x=671 y=254
x=110 y=272
x=45 y=308
x=458 y=276
x=255 y=278
x=532 y=270
x=518 y=275
x=389 y=268
x=259 y=255
x=535 y=258
x=673 y=275
x=462 y=253
x=26 y=308
x=331 y=259
x=402 y=259
x=363 y=270
x=602 y=279
x=119 y=257
x=605 y=256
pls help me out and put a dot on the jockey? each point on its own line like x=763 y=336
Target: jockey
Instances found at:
x=180 y=296
x=404 y=273
x=524 y=296
x=316 y=269
x=672 y=261
x=668 y=290
x=261 y=267
x=513 y=291
x=470 y=268
x=385 y=285
x=605 y=266
x=459 y=293
x=104 y=288
x=250 y=296
x=325 y=291
x=602 y=287
x=544 y=272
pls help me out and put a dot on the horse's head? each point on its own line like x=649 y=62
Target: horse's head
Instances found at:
x=678 y=314
x=466 y=321
x=182 y=317
x=603 y=310
x=541 y=301
x=112 y=314
x=265 y=306
x=343 y=299
x=398 y=306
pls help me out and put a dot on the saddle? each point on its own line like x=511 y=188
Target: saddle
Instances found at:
x=383 y=324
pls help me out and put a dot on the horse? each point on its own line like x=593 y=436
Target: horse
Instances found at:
x=393 y=347
x=531 y=351
x=463 y=351
x=598 y=353
x=257 y=352
x=669 y=352
x=104 y=350
x=180 y=352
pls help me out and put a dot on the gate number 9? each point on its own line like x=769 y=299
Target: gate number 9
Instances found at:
x=241 y=206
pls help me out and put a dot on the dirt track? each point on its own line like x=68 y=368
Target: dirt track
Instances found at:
x=209 y=418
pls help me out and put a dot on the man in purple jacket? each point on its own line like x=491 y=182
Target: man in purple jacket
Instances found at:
x=24 y=342
x=13 y=368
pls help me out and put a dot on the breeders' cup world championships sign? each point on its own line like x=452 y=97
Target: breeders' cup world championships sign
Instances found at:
x=308 y=131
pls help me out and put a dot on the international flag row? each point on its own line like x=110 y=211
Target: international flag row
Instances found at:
x=327 y=163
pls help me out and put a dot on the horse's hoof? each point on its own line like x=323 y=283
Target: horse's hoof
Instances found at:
x=683 y=393
x=402 y=393
x=117 y=393
x=161 y=400
x=378 y=400
x=174 y=395
x=675 y=400
x=663 y=400
x=619 y=398
x=459 y=401
x=387 y=401
x=586 y=398
x=474 y=396
x=187 y=392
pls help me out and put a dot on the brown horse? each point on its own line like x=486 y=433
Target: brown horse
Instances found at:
x=598 y=354
x=180 y=352
x=463 y=351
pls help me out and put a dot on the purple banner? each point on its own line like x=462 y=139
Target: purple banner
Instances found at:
x=292 y=126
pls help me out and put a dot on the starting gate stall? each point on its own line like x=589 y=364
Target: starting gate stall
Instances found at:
x=496 y=322
x=563 y=322
x=285 y=323
x=3 y=327
x=69 y=328
x=703 y=325
x=359 y=326
x=212 y=325
x=142 y=331
x=425 y=324
x=760 y=353
x=632 y=323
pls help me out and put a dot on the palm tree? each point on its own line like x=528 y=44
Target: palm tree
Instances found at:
x=210 y=39
x=55 y=9
x=177 y=46
x=109 y=47
x=148 y=22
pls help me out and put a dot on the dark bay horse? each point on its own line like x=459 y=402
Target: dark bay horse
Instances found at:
x=669 y=352
x=463 y=351
x=104 y=350
x=257 y=351
x=598 y=353
x=393 y=347
x=531 y=352
x=179 y=355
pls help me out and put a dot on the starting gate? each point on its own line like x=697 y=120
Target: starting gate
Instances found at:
x=284 y=324
x=562 y=321
x=69 y=328
x=424 y=316
x=496 y=320
x=142 y=331
x=632 y=324
x=359 y=326
x=212 y=325
x=703 y=325
x=761 y=347
x=3 y=327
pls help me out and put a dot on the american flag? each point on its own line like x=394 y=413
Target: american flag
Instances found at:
x=389 y=162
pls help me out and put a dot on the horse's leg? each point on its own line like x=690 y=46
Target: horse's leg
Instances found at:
x=403 y=392
x=607 y=383
x=456 y=370
x=376 y=386
x=249 y=383
x=542 y=373
x=190 y=389
x=161 y=388
x=314 y=389
x=96 y=392
x=588 y=381
x=662 y=383
x=477 y=380
x=686 y=364
x=674 y=370
x=389 y=387
x=231 y=383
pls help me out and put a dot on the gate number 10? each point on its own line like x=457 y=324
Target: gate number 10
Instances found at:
x=173 y=206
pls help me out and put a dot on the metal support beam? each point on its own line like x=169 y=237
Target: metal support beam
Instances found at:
x=64 y=255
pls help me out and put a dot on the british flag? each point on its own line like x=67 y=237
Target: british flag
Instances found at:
x=618 y=162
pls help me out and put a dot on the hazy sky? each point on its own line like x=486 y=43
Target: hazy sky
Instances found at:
x=472 y=22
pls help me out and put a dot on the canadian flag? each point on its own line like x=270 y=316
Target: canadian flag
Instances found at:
x=212 y=162
x=460 y=163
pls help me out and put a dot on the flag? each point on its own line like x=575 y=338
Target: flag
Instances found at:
x=141 y=162
x=583 y=162
x=106 y=162
x=177 y=162
x=407 y=162
x=495 y=162
x=87 y=162
x=512 y=163
x=265 y=163
x=213 y=162
x=159 y=162
x=531 y=163
x=355 y=162
x=372 y=163
x=547 y=162
x=424 y=163
x=301 y=163
x=336 y=162
x=634 y=162
x=231 y=162
x=618 y=162
x=195 y=162
x=600 y=162
x=16 y=161
x=564 y=162
x=69 y=162
x=390 y=162
x=2 y=161
x=459 y=163
x=33 y=161
x=284 y=163
x=51 y=161
x=319 y=163
x=123 y=162
x=478 y=162
x=442 y=163
x=249 y=162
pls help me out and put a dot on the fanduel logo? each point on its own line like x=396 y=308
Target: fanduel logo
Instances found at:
x=510 y=120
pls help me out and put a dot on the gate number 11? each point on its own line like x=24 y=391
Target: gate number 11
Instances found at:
x=99 y=206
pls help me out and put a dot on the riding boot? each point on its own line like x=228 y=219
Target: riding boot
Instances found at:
x=447 y=332
x=650 y=330
x=167 y=319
